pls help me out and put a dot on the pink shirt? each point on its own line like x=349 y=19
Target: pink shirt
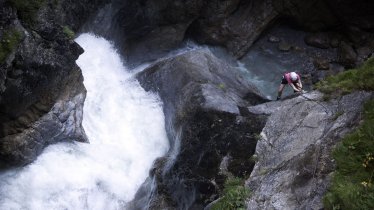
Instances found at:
x=288 y=77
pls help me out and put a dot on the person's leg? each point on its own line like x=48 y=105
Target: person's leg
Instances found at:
x=280 y=90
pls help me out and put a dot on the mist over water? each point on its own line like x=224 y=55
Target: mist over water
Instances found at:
x=125 y=126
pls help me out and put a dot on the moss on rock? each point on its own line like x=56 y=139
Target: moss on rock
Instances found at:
x=9 y=42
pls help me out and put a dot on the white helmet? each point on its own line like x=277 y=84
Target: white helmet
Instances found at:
x=294 y=76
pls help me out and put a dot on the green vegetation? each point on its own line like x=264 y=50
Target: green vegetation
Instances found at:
x=27 y=9
x=234 y=195
x=68 y=32
x=9 y=42
x=352 y=185
x=346 y=82
x=221 y=86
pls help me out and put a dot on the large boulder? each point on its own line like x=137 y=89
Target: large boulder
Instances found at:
x=294 y=153
x=233 y=24
x=41 y=87
x=204 y=103
x=148 y=29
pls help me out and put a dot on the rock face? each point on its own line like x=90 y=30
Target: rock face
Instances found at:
x=152 y=28
x=41 y=87
x=294 y=153
x=204 y=103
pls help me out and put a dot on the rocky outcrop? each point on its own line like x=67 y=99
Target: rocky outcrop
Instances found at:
x=41 y=87
x=204 y=103
x=151 y=28
x=294 y=163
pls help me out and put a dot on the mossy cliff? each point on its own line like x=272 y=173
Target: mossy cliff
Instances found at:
x=41 y=89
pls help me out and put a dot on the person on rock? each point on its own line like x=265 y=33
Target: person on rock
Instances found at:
x=293 y=79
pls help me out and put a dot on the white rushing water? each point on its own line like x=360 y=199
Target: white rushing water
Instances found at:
x=125 y=126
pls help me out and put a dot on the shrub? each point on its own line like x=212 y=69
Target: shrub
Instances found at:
x=234 y=195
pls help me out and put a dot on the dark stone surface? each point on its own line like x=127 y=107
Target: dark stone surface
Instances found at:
x=152 y=28
x=347 y=55
x=320 y=40
x=42 y=92
x=204 y=107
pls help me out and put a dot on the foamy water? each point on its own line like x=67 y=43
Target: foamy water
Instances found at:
x=125 y=126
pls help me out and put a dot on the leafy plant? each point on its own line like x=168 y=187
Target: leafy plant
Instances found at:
x=352 y=184
x=234 y=195
x=9 y=42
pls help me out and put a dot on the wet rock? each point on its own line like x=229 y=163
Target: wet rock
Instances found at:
x=320 y=40
x=321 y=63
x=42 y=92
x=335 y=42
x=357 y=36
x=233 y=24
x=147 y=30
x=295 y=150
x=273 y=39
x=347 y=55
x=363 y=53
x=284 y=46
x=336 y=68
x=204 y=101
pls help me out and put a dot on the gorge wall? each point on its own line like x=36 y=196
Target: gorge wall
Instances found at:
x=41 y=89
x=149 y=28
x=212 y=132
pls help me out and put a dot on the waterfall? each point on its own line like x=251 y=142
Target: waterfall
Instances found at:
x=125 y=127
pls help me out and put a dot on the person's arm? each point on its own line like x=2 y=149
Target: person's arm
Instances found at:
x=294 y=88
x=300 y=85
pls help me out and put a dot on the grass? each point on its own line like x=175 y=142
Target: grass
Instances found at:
x=9 y=42
x=352 y=184
x=234 y=195
x=27 y=9
x=346 y=82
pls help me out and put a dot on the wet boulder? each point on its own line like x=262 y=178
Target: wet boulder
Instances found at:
x=347 y=55
x=320 y=40
x=204 y=103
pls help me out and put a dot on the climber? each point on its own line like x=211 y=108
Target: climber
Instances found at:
x=293 y=80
